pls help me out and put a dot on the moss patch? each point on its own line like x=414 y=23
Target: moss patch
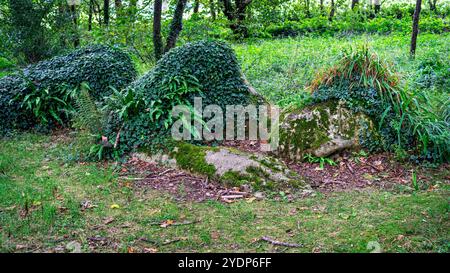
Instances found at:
x=192 y=158
x=237 y=168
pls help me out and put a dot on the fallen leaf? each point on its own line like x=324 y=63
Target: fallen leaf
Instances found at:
x=167 y=223
x=293 y=211
x=73 y=247
x=115 y=206
x=19 y=247
x=150 y=250
x=215 y=235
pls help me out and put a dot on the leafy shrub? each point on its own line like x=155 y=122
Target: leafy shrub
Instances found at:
x=46 y=88
x=11 y=114
x=206 y=69
x=434 y=71
x=195 y=29
x=380 y=24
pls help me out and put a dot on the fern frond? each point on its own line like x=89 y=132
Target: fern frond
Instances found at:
x=88 y=116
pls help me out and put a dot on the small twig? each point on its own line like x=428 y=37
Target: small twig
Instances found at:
x=170 y=242
x=175 y=223
x=278 y=243
x=185 y=223
x=349 y=168
x=166 y=171
x=143 y=239
x=116 y=143
x=97 y=239
x=232 y=196
x=375 y=168
x=130 y=178
x=238 y=193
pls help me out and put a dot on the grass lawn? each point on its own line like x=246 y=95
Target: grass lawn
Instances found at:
x=41 y=192
x=280 y=69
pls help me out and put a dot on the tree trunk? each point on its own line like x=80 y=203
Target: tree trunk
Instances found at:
x=106 y=12
x=321 y=7
x=354 y=3
x=176 y=26
x=97 y=11
x=91 y=11
x=75 y=36
x=119 y=7
x=307 y=3
x=432 y=4
x=236 y=15
x=415 y=28
x=196 y=6
x=332 y=10
x=157 y=38
x=132 y=10
x=377 y=5
x=212 y=9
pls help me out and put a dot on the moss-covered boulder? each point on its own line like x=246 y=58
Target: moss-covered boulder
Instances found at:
x=323 y=129
x=232 y=167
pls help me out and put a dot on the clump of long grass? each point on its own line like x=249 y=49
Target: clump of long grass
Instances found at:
x=362 y=66
x=413 y=111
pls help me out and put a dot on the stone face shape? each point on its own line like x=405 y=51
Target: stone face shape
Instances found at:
x=233 y=167
x=321 y=130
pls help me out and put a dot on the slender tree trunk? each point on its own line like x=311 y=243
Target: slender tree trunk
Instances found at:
x=97 y=11
x=432 y=4
x=91 y=11
x=176 y=26
x=119 y=7
x=157 y=38
x=332 y=10
x=307 y=3
x=60 y=22
x=236 y=15
x=75 y=36
x=377 y=5
x=106 y=12
x=415 y=28
x=196 y=6
x=132 y=10
x=212 y=9
x=321 y=6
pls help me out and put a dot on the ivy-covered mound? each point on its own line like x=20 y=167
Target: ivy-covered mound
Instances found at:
x=365 y=84
x=206 y=69
x=101 y=67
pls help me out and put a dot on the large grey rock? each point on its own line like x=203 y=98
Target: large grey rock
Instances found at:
x=233 y=167
x=321 y=130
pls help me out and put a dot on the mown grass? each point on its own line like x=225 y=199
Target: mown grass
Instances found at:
x=41 y=192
